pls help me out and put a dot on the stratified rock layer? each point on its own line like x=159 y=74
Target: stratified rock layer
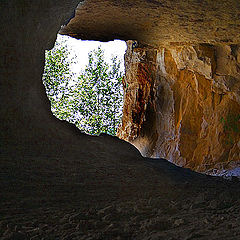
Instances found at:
x=157 y=22
x=183 y=103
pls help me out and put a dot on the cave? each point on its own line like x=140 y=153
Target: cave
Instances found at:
x=181 y=108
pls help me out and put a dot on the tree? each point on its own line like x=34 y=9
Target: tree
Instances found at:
x=94 y=101
x=100 y=95
x=56 y=78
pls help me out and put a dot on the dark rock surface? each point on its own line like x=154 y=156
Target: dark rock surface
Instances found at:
x=97 y=197
x=56 y=183
x=157 y=22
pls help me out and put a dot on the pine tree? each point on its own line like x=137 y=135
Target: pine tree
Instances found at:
x=94 y=101
x=101 y=95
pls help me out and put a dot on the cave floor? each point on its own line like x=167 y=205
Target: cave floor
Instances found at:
x=47 y=197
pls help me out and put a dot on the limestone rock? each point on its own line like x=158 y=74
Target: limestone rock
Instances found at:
x=156 y=22
x=181 y=87
x=182 y=104
x=182 y=83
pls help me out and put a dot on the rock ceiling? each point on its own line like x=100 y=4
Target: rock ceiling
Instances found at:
x=157 y=22
x=183 y=98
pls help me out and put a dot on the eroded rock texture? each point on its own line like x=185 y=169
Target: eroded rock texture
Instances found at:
x=157 y=22
x=183 y=103
x=182 y=75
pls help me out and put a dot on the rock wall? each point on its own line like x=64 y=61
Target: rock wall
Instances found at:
x=182 y=103
x=157 y=22
x=28 y=29
x=181 y=96
x=182 y=75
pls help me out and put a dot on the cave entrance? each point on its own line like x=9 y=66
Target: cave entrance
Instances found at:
x=83 y=81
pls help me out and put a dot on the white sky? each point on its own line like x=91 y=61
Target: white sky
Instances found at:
x=82 y=48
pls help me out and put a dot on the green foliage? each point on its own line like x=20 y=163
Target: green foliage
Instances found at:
x=56 y=77
x=94 y=101
x=99 y=95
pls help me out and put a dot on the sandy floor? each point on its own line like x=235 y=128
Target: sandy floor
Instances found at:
x=106 y=197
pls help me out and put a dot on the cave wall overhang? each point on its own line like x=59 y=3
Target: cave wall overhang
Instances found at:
x=182 y=98
x=171 y=57
x=156 y=22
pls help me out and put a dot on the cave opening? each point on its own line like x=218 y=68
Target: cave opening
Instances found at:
x=83 y=82
x=59 y=184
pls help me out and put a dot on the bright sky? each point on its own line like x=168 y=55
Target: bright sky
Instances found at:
x=82 y=48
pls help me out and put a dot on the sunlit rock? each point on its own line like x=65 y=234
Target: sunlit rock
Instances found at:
x=182 y=103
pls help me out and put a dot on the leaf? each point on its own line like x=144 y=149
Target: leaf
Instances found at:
x=94 y=101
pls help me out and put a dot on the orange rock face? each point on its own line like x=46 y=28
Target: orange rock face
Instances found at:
x=183 y=104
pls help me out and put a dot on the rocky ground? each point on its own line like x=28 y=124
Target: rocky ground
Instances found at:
x=106 y=197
